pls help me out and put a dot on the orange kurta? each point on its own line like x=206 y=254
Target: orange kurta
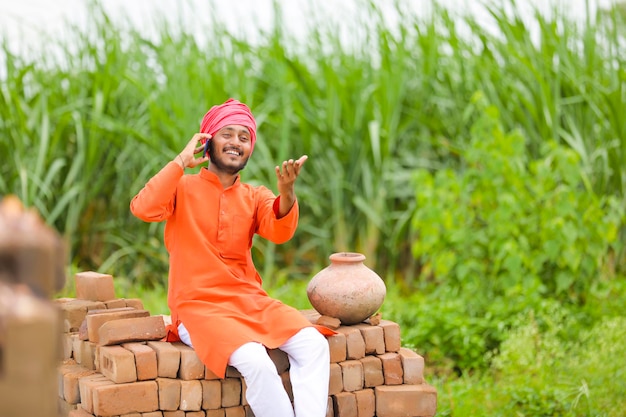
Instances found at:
x=214 y=288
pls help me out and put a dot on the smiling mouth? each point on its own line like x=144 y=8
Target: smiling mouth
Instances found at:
x=233 y=152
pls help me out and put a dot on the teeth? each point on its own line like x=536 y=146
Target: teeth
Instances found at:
x=233 y=153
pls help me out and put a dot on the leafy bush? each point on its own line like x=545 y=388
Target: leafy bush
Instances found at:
x=509 y=224
x=499 y=238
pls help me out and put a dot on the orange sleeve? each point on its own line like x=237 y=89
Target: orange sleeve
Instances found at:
x=156 y=200
x=270 y=227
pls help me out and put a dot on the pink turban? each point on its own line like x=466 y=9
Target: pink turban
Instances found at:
x=232 y=112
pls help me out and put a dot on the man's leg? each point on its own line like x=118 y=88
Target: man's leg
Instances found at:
x=265 y=392
x=183 y=334
x=309 y=372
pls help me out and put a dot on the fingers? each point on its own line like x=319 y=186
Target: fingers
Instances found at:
x=290 y=169
x=192 y=149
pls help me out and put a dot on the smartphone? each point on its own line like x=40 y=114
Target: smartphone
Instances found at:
x=205 y=152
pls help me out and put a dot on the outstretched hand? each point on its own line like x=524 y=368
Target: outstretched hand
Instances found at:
x=287 y=173
x=286 y=176
x=187 y=156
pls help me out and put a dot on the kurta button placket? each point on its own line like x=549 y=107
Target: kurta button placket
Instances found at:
x=222 y=220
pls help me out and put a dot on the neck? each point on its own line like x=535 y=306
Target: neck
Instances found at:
x=227 y=179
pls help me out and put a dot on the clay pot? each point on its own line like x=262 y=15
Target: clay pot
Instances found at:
x=346 y=289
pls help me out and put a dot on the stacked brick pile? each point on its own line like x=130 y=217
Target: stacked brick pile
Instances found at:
x=116 y=365
x=31 y=270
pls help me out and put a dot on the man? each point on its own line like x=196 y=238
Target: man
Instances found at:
x=215 y=296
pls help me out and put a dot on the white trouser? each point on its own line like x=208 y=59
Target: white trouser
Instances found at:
x=309 y=370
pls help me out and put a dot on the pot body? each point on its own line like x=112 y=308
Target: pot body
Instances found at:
x=346 y=289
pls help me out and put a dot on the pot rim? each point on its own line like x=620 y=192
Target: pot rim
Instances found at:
x=347 y=257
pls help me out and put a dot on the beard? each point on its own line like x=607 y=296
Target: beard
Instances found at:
x=221 y=166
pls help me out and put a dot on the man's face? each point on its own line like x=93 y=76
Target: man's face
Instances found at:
x=230 y=148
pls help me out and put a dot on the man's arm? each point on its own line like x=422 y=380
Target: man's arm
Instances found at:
x=286 y=178
x=155 y=202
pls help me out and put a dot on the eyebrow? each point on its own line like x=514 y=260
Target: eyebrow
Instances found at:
x=232 y=129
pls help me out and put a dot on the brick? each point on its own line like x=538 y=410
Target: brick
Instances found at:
x=86 y=384
x=131 y=330
x=79 y=412
x=330 y=322
x=118 y=399
x=177 y=413
x=96 y=320
x=68 y=344
x=97 y=360
x=211 y=394
x=168 y=359
x=88 y=354
x=231 y=392
x=373 y=337
x=77 y=351
x=249 y=412
x=158 y=414
x=74 y=312
x=94 y=286
x=238 y=411
x=355 y=345
x=145 y=360
x=83 y=332
x=28 y=398
x=32 y=253
x=169 y=393
x=232 y=372
x=244 y=389
x=337 y=347
x=365 y=403
x=215 y=413
x=374 y=320
x=31 y=324
x=311 y=315
x=64 y=407
x=117 y=364
x=280 y=359
x=71 y=391
x=391 y=333
x=104 y=309
x=344 y=404
x=135 y=414
x=335 y=385
x=134 y=303
x=191 y=367
x=412 y=366
x=115 y=303
x=372 y=371
x=392 y=368
x=190 y=395
x=406 y=400
x=63 y=369
x=352 y=373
